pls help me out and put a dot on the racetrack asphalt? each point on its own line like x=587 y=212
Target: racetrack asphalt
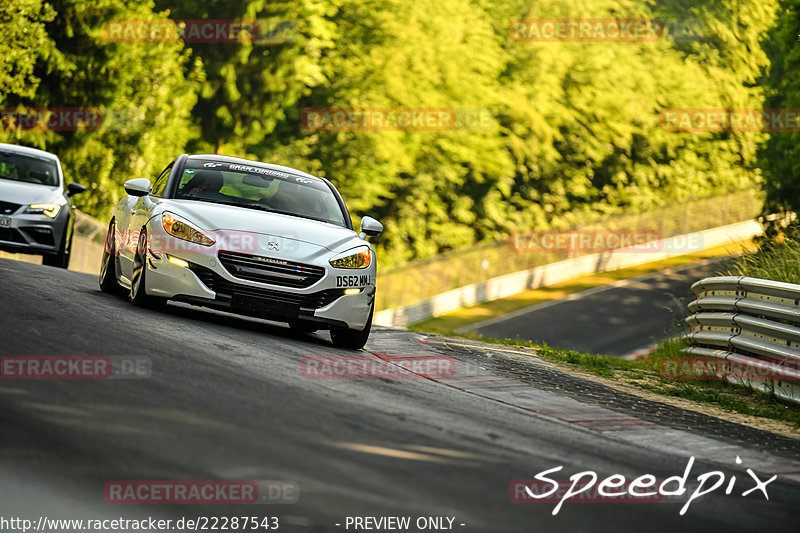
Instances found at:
x=226 y=398
x=616 y=319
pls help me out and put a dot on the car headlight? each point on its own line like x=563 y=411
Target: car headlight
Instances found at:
x=182 y=230
x=51 y=210
x=360 y=257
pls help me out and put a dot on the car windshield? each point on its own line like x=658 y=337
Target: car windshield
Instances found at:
x=19 y=167
x=259 y=188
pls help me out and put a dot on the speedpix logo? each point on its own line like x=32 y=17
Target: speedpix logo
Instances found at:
x=616 y=488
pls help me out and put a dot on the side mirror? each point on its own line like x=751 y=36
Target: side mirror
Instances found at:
x=371 y=227
x=138 y=187
x=74 y=188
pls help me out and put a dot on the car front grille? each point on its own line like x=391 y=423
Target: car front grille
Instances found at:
x=40 y=235
x=272 y=271
x=11 y=235
x=6 y=208
x=237 y=292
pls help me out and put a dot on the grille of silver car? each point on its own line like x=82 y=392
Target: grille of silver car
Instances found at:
x=40 y=235
x=6 y=208
x=11 y=235
x=269 y=270
x=227 y=290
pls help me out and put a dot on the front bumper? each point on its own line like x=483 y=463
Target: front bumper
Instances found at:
x=207 y=282
x=33 y=234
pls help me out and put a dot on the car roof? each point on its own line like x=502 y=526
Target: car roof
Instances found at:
x=241 y=161
x=28 y=151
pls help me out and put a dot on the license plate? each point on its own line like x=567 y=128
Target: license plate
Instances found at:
x=5 y=222
x=265 y=307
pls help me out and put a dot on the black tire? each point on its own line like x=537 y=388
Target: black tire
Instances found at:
x=138 y=293
x=108 y=265
x=61 y=258
x=351 y=338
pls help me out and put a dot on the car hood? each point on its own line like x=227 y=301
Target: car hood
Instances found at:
x=224 y=218
x=18 y=192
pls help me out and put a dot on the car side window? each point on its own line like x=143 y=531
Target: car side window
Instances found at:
x=161 y=181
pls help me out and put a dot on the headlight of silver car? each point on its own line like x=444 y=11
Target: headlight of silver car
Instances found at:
x=359 y=257
x=51 y=210
x=183 y=230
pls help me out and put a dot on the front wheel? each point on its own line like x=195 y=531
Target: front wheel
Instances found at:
x=138 y=294
x=351 y=338
x=108 y=265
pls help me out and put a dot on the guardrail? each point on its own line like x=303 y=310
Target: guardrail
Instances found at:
x=748 y=324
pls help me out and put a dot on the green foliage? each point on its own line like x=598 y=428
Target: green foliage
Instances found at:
x=145 y=91
x=780 y=155
x=251 y=85
x=23 y=40
x=562 y=132
x=574 y=126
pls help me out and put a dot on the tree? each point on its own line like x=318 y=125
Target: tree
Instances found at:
x=23 y=40
x=780 y=155
x=141 y=89
x=252 y=83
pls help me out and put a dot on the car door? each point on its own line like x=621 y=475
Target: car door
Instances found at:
x=140 y=214
x=134 y=213
x=123 y=237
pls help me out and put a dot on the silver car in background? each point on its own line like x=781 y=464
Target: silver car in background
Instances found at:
x=35 y=205
x=248 y=237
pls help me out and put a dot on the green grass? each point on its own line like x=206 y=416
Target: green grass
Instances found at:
x=729 y=396
x=597 y=364
x=776 y=260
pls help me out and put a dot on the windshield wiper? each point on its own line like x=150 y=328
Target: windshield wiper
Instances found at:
x=263 y=207
x=260 y=207
x=234 y=204
x=289 y=213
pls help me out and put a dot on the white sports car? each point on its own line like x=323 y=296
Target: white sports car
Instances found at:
x=247 y=237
